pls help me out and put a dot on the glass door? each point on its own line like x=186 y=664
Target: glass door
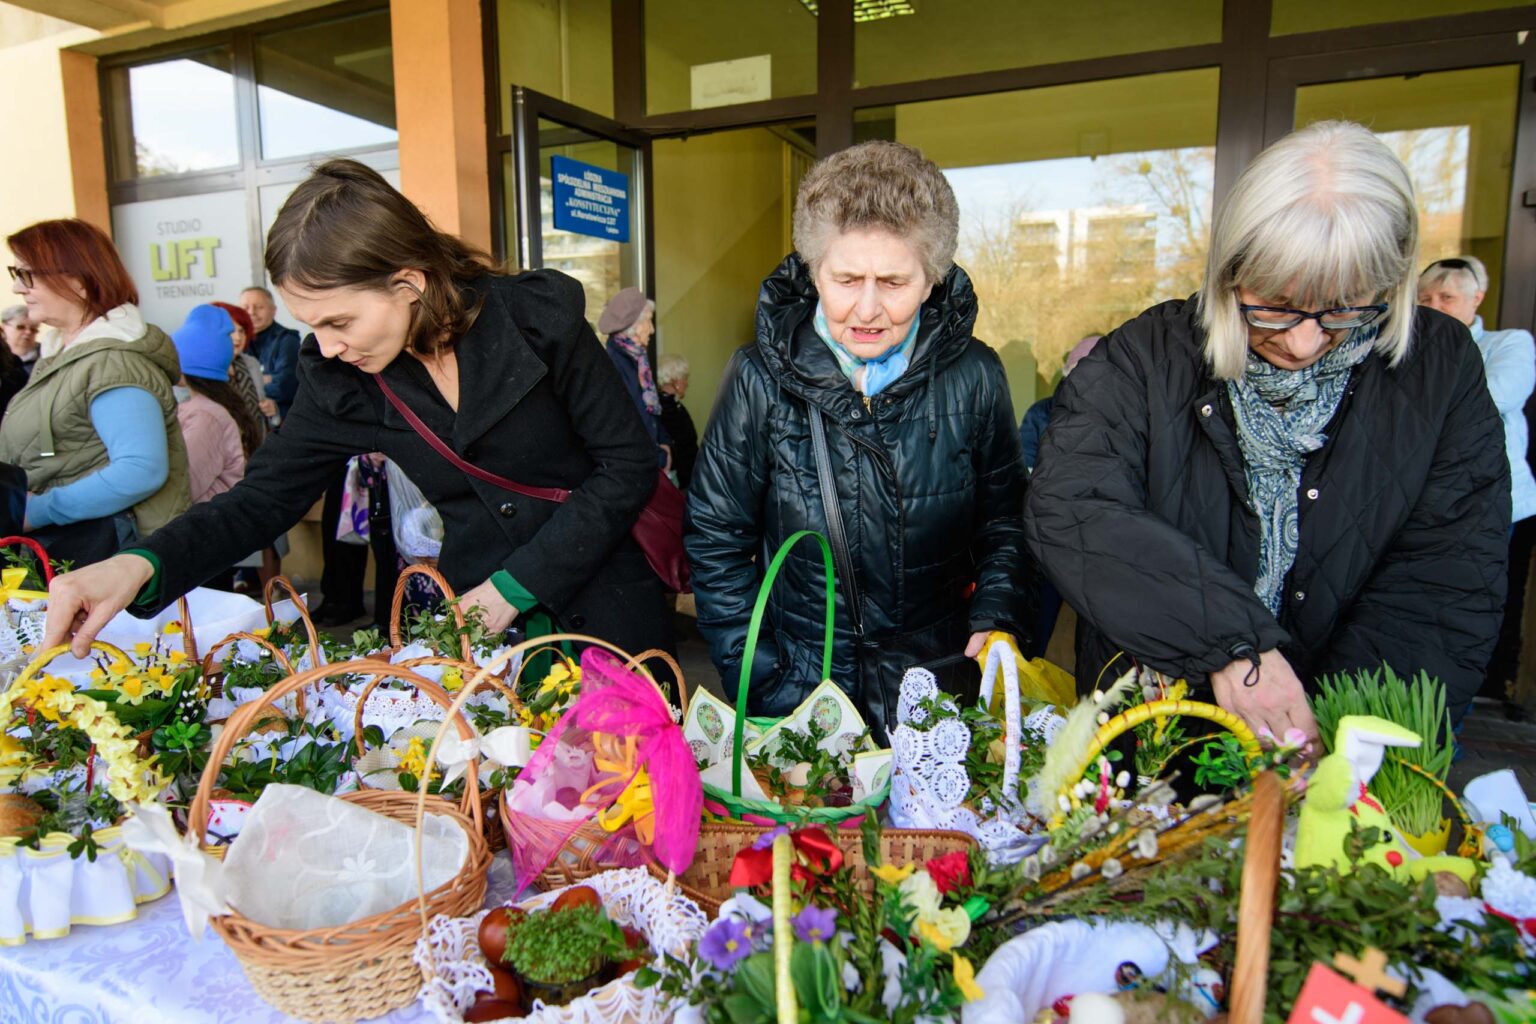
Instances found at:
x=582 y=197
x=1452 y=112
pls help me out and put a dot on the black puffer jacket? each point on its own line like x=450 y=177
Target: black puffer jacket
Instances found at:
x=1138 y=512
x=931 y=486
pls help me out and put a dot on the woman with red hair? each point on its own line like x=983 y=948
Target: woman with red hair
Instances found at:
x=95 y=428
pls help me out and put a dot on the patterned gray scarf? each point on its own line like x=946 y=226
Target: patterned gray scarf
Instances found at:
x=1280 y=419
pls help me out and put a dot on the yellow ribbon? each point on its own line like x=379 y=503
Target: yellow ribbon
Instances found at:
x=10 y=586
x=634 y=802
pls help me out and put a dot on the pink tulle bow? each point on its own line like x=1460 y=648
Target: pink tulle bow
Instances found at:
x=564 y=786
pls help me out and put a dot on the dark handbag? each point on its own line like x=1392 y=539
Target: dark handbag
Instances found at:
x=658 y=530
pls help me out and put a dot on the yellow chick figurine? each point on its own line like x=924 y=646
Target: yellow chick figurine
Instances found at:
x=1338 y=794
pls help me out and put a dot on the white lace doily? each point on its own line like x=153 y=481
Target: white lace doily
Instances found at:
x=930 y=785
x=449 y=955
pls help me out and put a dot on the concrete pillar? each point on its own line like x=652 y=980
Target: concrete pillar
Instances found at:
x=87 y=149
x=440 y=109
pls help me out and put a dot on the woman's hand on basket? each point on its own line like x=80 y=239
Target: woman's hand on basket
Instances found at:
x=1276 y=701
x=80 y=603
x=497 y=612
x=976 y=643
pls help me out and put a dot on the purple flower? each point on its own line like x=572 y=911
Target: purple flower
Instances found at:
x=813 y=924
x=765 y=841
x=726 y=944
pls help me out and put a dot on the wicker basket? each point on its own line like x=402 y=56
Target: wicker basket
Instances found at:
x=284 y=583
x=363 y=969
x=708 y=881
x=580 y=858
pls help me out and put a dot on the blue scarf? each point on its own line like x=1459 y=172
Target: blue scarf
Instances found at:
x=870 y=376
x=1280 y=419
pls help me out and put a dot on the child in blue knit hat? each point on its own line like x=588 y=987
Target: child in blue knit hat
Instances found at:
x=216 y=424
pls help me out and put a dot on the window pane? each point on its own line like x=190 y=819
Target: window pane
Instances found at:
x=1289 y=16
x=770 y=44
x=326 y=87
x=1080 y=205
x=938 y=39
x=175 y=116
x=564 y=50
x=1456 y=132
x=602 y=265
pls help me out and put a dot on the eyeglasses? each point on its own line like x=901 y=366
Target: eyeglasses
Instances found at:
x=26 y=275
x=1344 y=318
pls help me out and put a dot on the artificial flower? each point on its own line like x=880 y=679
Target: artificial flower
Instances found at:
x=965 y=979
x=951 y=871
x=131 y=690
x=726 y=944
x=945 y=929
x=765 y=841
x=920 y=894
x=890 y=874
x=413 y=759
x=814 y=924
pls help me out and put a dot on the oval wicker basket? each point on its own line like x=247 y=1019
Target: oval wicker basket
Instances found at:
x=364 y=969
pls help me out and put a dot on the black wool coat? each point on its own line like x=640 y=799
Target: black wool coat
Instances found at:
x=1138 y=511
x=930 y=483
x=539 y=403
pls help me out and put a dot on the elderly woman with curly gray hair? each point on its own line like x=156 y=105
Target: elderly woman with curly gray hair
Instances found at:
x=864 y=352
x=1295 y=472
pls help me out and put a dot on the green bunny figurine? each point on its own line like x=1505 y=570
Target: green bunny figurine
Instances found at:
x=1338 y=794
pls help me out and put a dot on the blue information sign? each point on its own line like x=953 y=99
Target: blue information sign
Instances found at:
x=590 y=200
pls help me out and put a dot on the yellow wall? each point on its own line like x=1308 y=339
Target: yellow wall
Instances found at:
x=37 y=181
x=561 y=48
x=719 y=231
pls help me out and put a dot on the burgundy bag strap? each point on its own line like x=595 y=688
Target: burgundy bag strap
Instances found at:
x=441 y=447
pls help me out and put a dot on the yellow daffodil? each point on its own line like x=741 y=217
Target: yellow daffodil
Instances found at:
x=142 y=650
x=413 y=759
x=965 y=979
x=176 y=656
x=132 y=690
x=44 y=694
x=561 y=679
x=945 y=929
x=890 y=874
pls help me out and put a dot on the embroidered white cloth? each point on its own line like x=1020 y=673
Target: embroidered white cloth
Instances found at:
x=151 y=970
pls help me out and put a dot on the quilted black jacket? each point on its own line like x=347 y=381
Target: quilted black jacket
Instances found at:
x=931 y=487
x=1138 y=512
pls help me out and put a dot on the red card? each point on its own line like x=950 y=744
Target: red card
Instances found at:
x=1329 y=998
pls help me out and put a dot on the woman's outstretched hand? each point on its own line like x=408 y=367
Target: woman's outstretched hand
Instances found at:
x=80 y=603
x=496 y=611
x=1275 y=702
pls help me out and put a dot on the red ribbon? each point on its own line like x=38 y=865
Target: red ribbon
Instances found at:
x=816 y=855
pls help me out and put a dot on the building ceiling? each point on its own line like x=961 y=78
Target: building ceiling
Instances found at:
x=135 y=23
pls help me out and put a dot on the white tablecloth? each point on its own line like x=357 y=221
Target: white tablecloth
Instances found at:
x=150 y=971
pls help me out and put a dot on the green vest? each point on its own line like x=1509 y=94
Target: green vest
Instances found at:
x=47 y=427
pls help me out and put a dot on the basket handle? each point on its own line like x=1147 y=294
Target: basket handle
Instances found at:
x=538 y=646
x=36 y=549
x=284 y=583
x=272 y=649
x=1256 y=902
x=247 y=715
x=1000 y=658
x=754 y=628
x=435 y=693
x=657 y=654
x=46 y=658
x=1132 y=717
x=495 y=666
x=188 y=638
x=397 y=608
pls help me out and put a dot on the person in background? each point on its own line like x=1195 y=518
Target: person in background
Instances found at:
x=245 y=369
x=13 y=372
x=277 y=347
x=95 y=428
x=629 y=321
x=1038 y=417
x=217 y=446
x=253 y=571
x=672 y=387
x=1456 y=287
x=21 y=336
x=1294 y=473
x=864 y=333
x=1031 y=430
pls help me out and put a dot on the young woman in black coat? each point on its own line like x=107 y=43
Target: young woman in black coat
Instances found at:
x=503 y=369
x=1297 y=472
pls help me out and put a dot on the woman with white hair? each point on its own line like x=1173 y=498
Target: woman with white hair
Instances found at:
x=1293 y=473
x=672 y=386
x=867 y=411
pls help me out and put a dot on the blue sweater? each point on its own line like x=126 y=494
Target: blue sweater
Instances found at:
x=130 y=423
